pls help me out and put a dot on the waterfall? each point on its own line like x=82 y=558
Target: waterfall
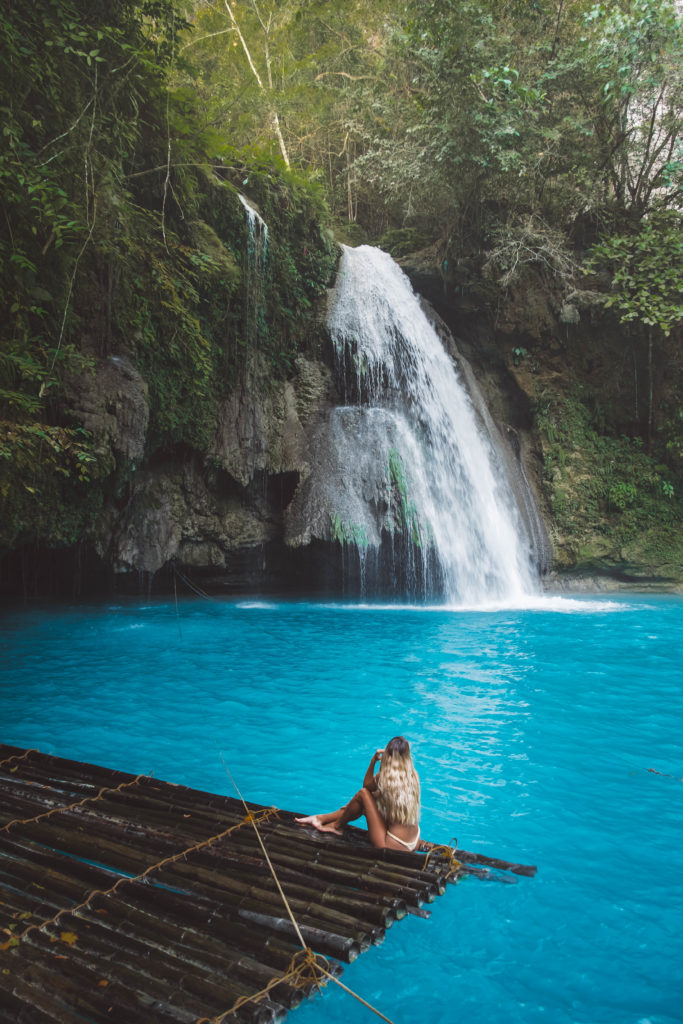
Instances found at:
x=258 y=235
x=407 y=465
x=253 y=304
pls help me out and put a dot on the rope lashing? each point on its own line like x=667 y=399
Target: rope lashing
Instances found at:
x=304 y=969
x=250 y=818
x=18 y=757
x=448 y=854
x=71 y=807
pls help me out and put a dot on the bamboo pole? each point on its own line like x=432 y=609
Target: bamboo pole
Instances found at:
x=246 y=893
x=296 y=882
x=346 y=949
x=60 y=992
x=225 y=967
x=163 y=977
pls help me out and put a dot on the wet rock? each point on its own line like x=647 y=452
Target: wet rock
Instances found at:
x=111 y=402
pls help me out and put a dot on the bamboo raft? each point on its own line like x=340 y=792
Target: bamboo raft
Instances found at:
x=128 y=899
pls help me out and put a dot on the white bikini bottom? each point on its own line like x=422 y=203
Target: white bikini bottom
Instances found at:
x=409 y=846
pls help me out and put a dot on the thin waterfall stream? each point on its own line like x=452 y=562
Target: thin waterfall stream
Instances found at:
x=406 y=464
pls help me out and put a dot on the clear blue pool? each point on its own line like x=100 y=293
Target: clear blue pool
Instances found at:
x=534 y=731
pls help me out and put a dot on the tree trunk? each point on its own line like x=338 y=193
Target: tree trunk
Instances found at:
x=650 y=390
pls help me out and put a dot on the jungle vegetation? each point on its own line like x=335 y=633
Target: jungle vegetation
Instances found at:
x=535 y=142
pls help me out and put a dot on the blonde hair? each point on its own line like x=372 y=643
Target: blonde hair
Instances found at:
x=399 y=785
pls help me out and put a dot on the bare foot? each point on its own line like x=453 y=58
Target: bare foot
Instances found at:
x=312 y=819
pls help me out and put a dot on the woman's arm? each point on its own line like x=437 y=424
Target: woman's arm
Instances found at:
x=370 y=782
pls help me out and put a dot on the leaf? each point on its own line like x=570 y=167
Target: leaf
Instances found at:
x=70 y=938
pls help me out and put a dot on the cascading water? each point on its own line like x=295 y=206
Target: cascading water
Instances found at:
x=258 y=235
x=254 y=273
x=405 y=458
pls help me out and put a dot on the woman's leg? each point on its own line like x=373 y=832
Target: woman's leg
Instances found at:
x=362 y=803
x=334 y=821
x=377 y=827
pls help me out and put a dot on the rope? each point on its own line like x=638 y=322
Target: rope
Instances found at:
x=448 y=853
x=302 y=971
x=311 y=957
x=655 y=772
x=18 y=757
x=70 y=807
x=188 y=583
x=263 y=814
x=175 y=594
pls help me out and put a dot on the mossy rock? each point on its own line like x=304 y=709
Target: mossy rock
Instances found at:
x=220 y=262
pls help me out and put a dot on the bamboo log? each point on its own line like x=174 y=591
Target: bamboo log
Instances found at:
x=66 y=991
x=528 y=870
x=14 y=849
x=247 y=894
x=13 y=1010
x=88 y=976
x=217 y=971
x=84 y=835
x=161 y=928
x=38 y=1001
x=164 y=977
x=207 y=921
x=400 y=885
x=296 y=883
x=23 y=873
x=346 y=949
x=209 y=927
x=213 y=934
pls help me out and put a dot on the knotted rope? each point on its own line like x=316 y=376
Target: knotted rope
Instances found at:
x=448 y=854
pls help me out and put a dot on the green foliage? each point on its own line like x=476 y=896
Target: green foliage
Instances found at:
x=124 y=234
x=601 y=485
x=50 y=482
x=647 y=270
x=73 y=79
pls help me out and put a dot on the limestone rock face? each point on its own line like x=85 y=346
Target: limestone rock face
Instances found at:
x=112 y=402
x=199 y=512
x=262 y=426
x=175 y=515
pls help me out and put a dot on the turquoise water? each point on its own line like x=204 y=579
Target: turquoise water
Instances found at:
x=534 y=731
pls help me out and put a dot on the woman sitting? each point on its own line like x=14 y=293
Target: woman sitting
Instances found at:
x=389 y=800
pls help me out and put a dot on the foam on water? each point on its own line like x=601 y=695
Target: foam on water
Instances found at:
x=530 y=602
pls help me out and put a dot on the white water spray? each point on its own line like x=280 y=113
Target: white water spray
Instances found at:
x=414 y=421
x=258 y=234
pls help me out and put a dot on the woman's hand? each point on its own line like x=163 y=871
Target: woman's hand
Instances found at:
x=378 y=755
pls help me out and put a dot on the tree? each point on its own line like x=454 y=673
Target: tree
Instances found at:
x=647 y=269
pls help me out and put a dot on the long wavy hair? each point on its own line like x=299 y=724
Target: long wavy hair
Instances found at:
x=399 y=785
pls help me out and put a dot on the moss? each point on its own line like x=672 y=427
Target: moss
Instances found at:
x=610 y=500
x=347 y=533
